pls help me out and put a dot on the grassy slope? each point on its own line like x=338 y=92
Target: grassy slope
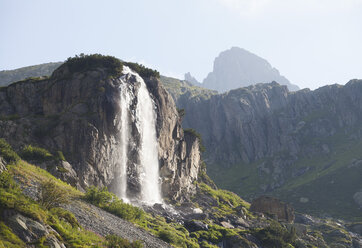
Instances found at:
x=329 y=183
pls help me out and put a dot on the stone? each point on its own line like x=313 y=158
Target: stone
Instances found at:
x=25 y=228
x=194 y=226
x=305 y=219
x=226 y=225
x=274 y=207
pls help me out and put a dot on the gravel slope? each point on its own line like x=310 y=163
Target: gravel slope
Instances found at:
x=104 y=223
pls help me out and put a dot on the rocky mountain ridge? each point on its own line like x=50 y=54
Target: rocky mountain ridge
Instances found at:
x=275 y=140
x=237 y=67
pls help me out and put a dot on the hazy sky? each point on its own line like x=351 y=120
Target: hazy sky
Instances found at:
x=311 y=42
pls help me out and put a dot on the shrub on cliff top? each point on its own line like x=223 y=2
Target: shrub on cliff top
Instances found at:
x=82 y=62
x=193 y=132
x=143 y=71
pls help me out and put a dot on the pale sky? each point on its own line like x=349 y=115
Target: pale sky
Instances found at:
x=311 y=42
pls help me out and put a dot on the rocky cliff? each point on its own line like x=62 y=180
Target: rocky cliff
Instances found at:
x=74 y=112
x=302 y=146
x=237 y=67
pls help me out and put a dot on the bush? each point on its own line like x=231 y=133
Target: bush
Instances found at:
x=110 y=202
x=167 y=236
x=124 y=210
x=193 y=132
x=33 y=153
x=113 y=241
x=7 y=152
x=100 y=197
x=84 y=62
x=143 y=71
x=7 y=181
x=59 y=156
x=66 y=215
x=276 y=236
x=51 y=195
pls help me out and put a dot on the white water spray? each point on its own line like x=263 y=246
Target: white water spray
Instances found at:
x=146 y=122
x=145 y=117
x=124 y=138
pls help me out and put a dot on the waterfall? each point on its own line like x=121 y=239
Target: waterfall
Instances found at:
x=144 y=116
x=124 y=138
x=146 y=121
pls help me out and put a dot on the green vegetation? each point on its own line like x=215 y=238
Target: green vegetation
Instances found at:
x=33 y=153
x=9 y=76
x=114 y=241
x=193 y=132
x=111 y=203
x=333 y=235
x=59 y=156
x=52 y=196
x=7 y=152
x=227 y=202
x=8 y=239
x=173 y=233
x=143 y=71
x=328 y=182
x=53 y=193
x=276 y=236
x=82 y=62
x=182 y=89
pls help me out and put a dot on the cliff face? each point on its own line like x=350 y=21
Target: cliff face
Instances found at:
x=75 y=113
x=301 y=146
x=237 y=67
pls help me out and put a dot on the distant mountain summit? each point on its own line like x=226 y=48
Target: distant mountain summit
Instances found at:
x=237 y=67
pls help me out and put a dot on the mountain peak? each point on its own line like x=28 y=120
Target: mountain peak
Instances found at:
x=237 y=67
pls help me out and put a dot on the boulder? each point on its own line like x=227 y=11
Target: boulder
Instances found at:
x=194 y=225
x=274 y=207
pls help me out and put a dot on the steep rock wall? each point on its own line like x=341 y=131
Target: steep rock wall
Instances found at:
x=75 y=112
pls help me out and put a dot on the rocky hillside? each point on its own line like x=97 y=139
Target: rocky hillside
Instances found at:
x=302 y=146
x=9 y=76
x=73 y=113
x=67 y=125
x=237 y=67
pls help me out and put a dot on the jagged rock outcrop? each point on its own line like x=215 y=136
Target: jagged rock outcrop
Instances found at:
x=74 y=112
x=272 y=206
x=236 y=67
x=189 y=78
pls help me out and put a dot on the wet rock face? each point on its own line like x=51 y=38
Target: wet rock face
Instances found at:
x=75 y=113
x=274 y=207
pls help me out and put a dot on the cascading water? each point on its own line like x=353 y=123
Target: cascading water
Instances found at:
x=146 y=123
x=124 y=138
x=145 y=118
